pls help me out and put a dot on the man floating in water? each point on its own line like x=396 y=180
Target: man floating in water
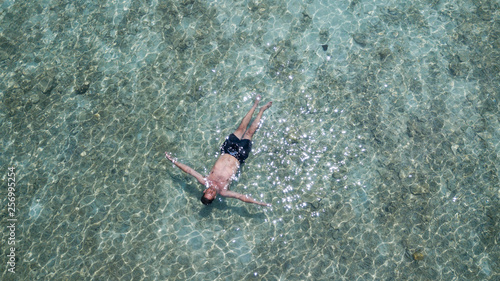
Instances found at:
x=234 y=151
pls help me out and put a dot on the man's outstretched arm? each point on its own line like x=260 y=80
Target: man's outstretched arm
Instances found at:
x=242 y=197
x=186 y=169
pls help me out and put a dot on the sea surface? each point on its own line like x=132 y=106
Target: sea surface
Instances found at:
x=380 y=155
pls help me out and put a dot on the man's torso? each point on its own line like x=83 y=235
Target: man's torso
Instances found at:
x=223 y=171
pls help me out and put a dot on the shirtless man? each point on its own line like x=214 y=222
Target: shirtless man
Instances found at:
x=234 y=151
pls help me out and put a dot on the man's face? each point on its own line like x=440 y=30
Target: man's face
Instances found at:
x=210 y=193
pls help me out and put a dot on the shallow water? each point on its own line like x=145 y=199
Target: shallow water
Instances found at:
x=379 y=155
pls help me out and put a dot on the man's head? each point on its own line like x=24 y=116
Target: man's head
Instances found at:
x=208 y=195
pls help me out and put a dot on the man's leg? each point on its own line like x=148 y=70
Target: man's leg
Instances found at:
x=255 y=125
x=244 y=123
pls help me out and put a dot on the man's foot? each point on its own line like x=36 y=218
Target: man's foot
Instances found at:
x=257 y=100
x=268 y=105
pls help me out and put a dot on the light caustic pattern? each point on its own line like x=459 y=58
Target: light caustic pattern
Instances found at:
x=303 y=155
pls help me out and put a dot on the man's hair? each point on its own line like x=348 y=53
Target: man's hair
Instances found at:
x=205 y=201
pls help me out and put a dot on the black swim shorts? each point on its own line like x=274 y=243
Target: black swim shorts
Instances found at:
x=239 y=149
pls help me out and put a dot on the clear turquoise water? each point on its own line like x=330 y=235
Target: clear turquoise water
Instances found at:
x=380 y=154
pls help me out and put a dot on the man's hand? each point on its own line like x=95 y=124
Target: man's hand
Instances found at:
x=244 y=198
x=169 y=157
x=264 y=204
x=186 y=169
